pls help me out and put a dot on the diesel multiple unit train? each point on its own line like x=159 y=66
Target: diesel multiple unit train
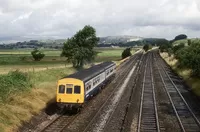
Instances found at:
x=74 y=90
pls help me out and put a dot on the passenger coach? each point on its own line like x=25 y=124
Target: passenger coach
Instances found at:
x=75 y=89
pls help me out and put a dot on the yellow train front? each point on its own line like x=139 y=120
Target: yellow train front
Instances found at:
x=74 y=90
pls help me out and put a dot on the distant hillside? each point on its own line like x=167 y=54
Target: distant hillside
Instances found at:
x=55 y=41
x=103 y=40
x=118 y=39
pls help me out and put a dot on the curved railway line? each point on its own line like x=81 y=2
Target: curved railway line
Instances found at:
x=63 y=121
x=188 y=121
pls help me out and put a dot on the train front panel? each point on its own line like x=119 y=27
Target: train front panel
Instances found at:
x=70 y=92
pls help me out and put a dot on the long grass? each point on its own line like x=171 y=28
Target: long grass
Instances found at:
x=26 y=94
x=13 y=82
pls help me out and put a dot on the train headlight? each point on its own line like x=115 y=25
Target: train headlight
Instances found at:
x=77 y=100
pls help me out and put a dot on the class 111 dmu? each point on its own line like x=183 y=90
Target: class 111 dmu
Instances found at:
x=74 y=90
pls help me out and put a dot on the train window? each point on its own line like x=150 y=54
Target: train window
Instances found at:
x=87 y=88
x=69 y=91
x=111 y=70
x=107 y=73
x=98 y=79
x=77 y=89
x=61 y=89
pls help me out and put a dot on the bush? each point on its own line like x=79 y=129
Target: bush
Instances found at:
x=189 y=57
x=165 y=47
x=37 y=55
x=13 y=82
x=178 y=47
x=126 y=53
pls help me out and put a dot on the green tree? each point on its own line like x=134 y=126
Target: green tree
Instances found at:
x=126 y=53
x=79 y=49
x=146 y=47
x=37 y=55
x=181 y=36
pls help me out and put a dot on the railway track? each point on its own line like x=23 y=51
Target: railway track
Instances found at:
x=63 y=121
x=91 y=124
x=187 y=119
x=60 y=123
x=148 y=116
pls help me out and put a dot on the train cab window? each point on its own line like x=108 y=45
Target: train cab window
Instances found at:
x=77 y=89
x=69 y=90
x=61 y=89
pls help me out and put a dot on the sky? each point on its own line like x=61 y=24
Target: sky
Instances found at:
x=56 y=19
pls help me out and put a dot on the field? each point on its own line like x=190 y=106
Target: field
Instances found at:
x=22 y=60
x=23 y=99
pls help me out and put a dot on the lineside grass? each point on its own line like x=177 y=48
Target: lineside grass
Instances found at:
x=193 y=82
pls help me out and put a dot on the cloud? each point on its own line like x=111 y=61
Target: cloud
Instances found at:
x=62 y=18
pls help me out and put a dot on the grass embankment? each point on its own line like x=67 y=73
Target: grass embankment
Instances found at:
x=193 y=82
x=24 y=94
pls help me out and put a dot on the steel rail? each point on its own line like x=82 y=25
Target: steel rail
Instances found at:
x=141 y=100
x=154 y=98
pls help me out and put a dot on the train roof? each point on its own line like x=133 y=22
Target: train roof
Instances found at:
x=91 y=72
